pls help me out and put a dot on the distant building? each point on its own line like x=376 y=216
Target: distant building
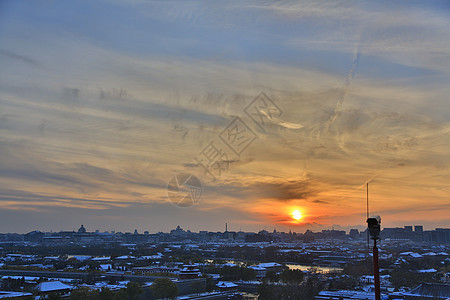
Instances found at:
x=34 y=236
x=48 y=287
x=408 y=228
x=226 y=286
x=150 y=270
x=394 y=233
x=189 y=272
x=345 y=295
x=271 y=266
x=418 y=228
x=229 y=235
x=333 y=233
x=178 y=232
x=81 y=229
x=354 y=233
x=308 y=237
x=426 y=291
x=240 y=237
x=14 y=295
x=259 y=271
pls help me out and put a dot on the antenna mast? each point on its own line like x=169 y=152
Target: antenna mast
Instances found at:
x=367 y=200
x=367 y=212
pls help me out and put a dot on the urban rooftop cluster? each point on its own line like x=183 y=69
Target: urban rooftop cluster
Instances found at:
x=323 y=265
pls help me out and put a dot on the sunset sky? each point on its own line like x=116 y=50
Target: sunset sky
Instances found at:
x=103 y=102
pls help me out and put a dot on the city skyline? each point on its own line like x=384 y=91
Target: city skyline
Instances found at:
x=407 y=233
x=233 y=228
x=105 y=106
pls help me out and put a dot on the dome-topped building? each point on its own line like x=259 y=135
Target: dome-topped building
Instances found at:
x=82 y=229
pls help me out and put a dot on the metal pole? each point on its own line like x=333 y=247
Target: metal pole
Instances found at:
x=376 y=271
x=367 y=215
x=367 y=200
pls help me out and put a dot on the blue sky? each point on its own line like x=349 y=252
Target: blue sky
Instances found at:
x=102 y=103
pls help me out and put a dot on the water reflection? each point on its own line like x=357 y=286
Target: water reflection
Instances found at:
x=316 y=269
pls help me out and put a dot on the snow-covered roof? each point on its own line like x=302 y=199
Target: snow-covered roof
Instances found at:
x=52 y=257
x=226 y=284
x=101 y=284
x=105 y=267
x=189 y=270
x=412 y=254
x=415 y=255
x=229 y=265
x=256 y=268
x=290 y=250
x=269 y=265
x=48 y=286
x=81 y=257
x=427 y=271
x=126 y=257
x=157 y=256
x=371 y=276
x=123 y=283
x=348 y=294
x=101 y=258
x=9 y=295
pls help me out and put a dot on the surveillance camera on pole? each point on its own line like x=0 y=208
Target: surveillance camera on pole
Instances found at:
x=374 y=225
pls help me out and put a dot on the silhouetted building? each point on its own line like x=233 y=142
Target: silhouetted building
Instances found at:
x=396 y=233
x=34 y=236
x=81 y=229
x=308 y=237
x=354 y=233
x=178 y=232
x=441 y=235
x=418 y=228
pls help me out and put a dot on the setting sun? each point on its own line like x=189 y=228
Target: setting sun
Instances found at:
x=297 y=215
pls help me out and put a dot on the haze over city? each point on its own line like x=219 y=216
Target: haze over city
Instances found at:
x=103 y=103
